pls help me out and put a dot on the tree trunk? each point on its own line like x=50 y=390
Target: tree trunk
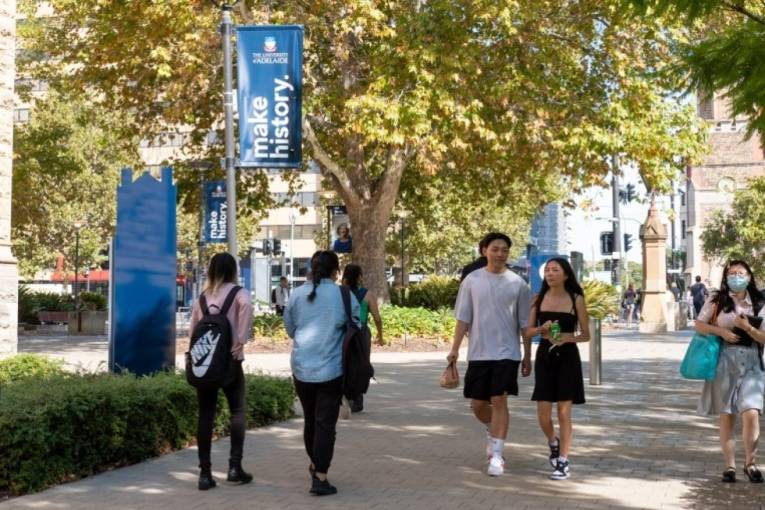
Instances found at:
x=9 y=278
x=368 y=228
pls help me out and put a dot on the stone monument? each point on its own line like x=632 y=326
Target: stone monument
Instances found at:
x=9 y=276
x=653 y=236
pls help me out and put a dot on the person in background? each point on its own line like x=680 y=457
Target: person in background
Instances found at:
x=315 y=319
x=343 y=243
x=221 y=279
x=739 y=383
x=628 y=302
x=477 y=263
x=282 y=294
x=353 y=278
x=699 y=292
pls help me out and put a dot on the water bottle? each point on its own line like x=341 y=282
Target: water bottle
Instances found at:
x=555 y=332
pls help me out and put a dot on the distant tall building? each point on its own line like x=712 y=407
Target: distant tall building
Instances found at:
x=548 y=230
x=710 y=186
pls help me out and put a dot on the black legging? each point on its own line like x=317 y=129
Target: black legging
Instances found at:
x=208 y=401
x=321 y=407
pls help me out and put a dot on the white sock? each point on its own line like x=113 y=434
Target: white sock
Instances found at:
x=554 y=442
x=497 y=446
x=562 y=458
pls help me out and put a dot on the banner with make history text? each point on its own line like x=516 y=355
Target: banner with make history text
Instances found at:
x=269 y=88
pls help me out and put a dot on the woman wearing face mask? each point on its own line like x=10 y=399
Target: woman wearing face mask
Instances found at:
x=739 y=383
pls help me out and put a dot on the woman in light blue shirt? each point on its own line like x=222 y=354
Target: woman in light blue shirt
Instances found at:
x=315 y=318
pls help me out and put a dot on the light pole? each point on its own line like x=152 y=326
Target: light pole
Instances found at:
x=403 y=215
x=292 y=249
x=228 y=108
x=77 y=227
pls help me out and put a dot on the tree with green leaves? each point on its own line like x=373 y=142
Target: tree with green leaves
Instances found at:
x=725 y=50
x=740 y=232
x=66 y=169
x=504 y=101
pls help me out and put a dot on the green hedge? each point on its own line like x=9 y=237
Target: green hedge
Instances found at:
x=31 y=302
x=29 y=366
x=433 y=293
x=269 y=325
x=399 y=321
x=70 y=426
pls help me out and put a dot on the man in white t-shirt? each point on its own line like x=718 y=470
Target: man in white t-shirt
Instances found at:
x=493 y=307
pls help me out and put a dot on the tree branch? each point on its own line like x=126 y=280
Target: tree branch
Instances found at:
x=744 y=11
x=326 y=161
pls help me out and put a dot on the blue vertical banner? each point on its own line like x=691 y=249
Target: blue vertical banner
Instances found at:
x=216 y=212
x=269 y=92
x=143 y=270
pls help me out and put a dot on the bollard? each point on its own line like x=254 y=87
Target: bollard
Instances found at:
x=595 y=352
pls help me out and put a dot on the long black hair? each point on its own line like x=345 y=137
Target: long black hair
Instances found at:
x=323 y=264
x=571 y=285
x=352 y=275
x=722 y=297
x=222 y=270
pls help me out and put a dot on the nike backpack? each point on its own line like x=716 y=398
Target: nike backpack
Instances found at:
x=209 y=364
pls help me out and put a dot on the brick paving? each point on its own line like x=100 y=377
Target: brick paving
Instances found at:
x=638 y=444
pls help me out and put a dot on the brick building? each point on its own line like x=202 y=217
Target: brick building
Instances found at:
x=731 y=161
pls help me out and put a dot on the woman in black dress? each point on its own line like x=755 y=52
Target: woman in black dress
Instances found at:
x=558 y=368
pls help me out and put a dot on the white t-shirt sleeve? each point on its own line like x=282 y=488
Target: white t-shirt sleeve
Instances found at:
x=463 y=308
x=524 y=305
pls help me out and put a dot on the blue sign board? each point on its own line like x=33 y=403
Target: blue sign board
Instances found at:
x=142 y=331
x=270 y=83
x=216 y=212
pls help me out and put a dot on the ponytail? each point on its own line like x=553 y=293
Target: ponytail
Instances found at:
x=323 y=264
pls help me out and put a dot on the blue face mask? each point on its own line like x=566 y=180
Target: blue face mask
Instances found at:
x=737 y=283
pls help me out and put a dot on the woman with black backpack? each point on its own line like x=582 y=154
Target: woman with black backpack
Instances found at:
x=221 y=295
x=315 y=318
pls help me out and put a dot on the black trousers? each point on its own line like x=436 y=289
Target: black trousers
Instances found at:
x=321 y=407
x=208 y=401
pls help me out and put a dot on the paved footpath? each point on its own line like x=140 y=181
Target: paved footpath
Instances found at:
x=638 y=444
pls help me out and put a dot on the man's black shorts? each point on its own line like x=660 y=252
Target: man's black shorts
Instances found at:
x=492 y=378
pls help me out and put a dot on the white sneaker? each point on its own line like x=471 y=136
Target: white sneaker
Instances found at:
x=561 y=471
x=496 y=466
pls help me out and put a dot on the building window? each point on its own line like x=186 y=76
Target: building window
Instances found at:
x=21 y=115
x=304 y=232
x=302 y=199
x=682 y=229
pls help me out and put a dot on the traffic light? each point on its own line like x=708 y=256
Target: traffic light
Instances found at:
x=266 y=247
x=627 y=242
x=631 y=192
x=277 y=247
x=628 y=194
x=606 y=243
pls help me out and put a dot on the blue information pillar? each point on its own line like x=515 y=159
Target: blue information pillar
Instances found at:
x=142 y=338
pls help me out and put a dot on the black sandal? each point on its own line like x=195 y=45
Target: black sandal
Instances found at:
x=729 y=475
x=753 y=473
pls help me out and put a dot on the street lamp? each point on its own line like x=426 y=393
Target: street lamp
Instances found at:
x=77 y=227
x=228 y=108
x=292 y=249
x=403 y=214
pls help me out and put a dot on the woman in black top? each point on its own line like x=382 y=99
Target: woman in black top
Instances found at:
x=558 y=368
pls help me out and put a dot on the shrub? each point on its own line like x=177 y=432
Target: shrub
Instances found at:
x=28 y=366
x=415 y=322
x=52 y=302
x=602 y=299
x=269 y=325
x=433 y=293
x=27 y=306
x=93 y=301
x=54 y=431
